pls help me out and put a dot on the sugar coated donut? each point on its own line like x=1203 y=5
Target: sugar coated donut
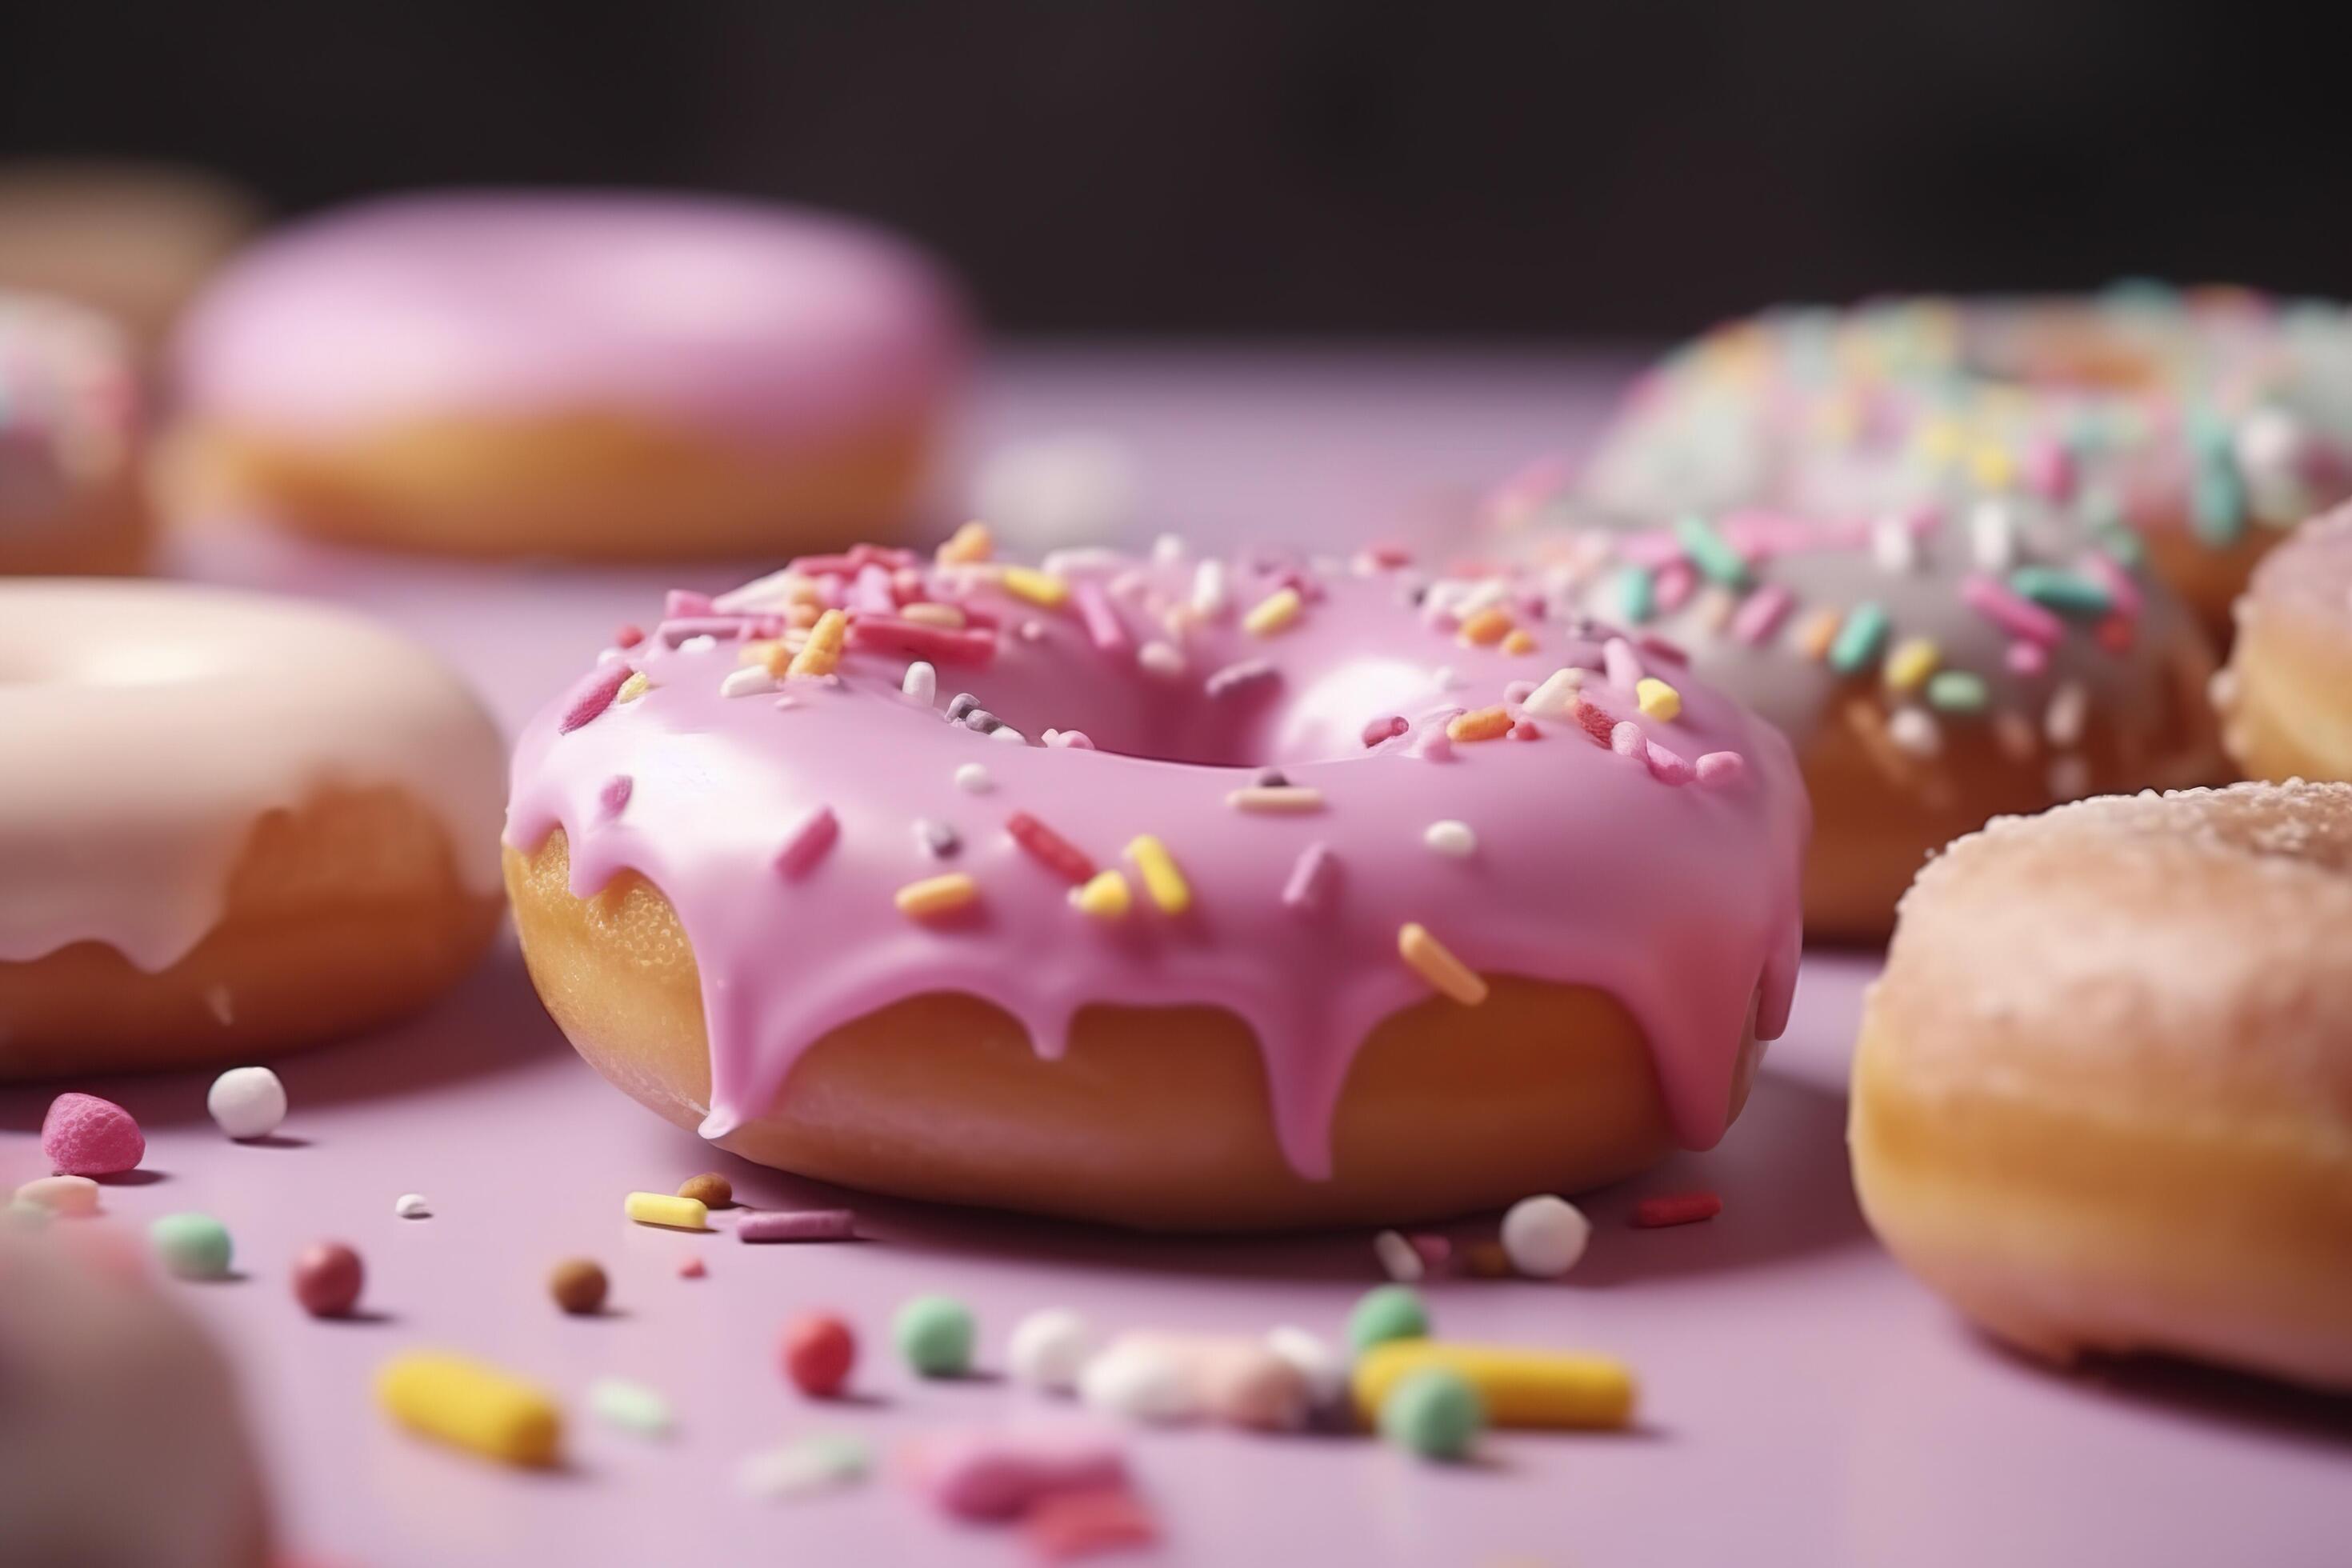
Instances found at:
x=1308 y=907
x=2103 y=1097
x=228 y=823
x=594 y=376
x=2286 y=698
x=71 y=494
x=2205 y=421
x=1934 y=667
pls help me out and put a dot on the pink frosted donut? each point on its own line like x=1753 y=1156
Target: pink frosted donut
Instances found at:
x=1178 y=892
x=592 y=375
x=228 y=823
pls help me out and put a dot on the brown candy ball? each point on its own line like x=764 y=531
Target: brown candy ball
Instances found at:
x=578 y=1286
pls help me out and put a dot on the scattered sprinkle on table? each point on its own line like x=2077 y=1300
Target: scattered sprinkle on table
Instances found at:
x=631 y=1407
x=662 y=1209
x=709 y=1189
x=247 y=1102
x=1677 y=1208
x=1434 y=1413
x=935 y=1334
x=412 y=1205
x=579 y=1286
x=192 y=1245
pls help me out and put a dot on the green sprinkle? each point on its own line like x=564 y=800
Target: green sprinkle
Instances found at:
x=631 y=1407
x=1957 y=691
x=935 y=1334
x=1710 y=551
x=826 y=1462
x=1637 y=594
x=1858 y=639
x=192 y=1245
x=1434 y=1413
x=2068 y=592
x=1388 y=1312
x=2217 y=503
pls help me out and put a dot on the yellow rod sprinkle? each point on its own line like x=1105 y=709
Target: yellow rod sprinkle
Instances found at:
x=935 y=896
x=1433 y=961
x=1042 y=589
x=1520 y=1387
x=666 y=1208
x=970 y=542
x=471 y=1405
x=822 y=653
x=1272 y=612
x=1658 y=699
x=1911 y=663
x=1162 y=878
x=636 y=686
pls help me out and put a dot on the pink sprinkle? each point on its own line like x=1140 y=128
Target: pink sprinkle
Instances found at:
x=629 y=635
x=1625 y=739
x=1074 y=740
x=2027 y=658
x=685 y=602
x=1388 y=556
x=2021 y=617
x=798 y=1225
x=690 y=1268
x=2117 y=582
x=85 y=1136
x=615 y=795
x=806 y=845
x=1102 y=622
x=871 y=591
x=1004 y=1472
x=1760 y=611
x=1677 y=1208
x=2050 y=469
x=1672 y=586
x=1657 y=647
x=1312 y=881
x=1526 y=730
x=1432 y=744
x=729 y=627
x=1669 y=767
x=1436 y=1250
x=1387 y=727
x=593 y=695
x=1621 y=664
x=1069 y=1526
x=1722 y=769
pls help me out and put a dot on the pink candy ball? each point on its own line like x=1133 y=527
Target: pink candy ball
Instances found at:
x=85 y=1136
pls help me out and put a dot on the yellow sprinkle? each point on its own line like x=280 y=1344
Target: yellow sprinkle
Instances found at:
x=1162 y=880
x=1275 y=797
x=933 y=614
x=1479 y=725
x=970 y=542
x=1992 y=466
x=1911 y=663
x=1939 y=440
x=1042 y=589
x=1431 y=961
x=1272 y=612
x=1485 y=627
x=1658 y=700
x=765 y=652
x=822 y=653
x=636 y=686
x=1105 y=896
x=1815 y=632
x=937 y=896
x=471 y=1405
x=1520 y=1387
x=1521 y=640
x=666 y=1208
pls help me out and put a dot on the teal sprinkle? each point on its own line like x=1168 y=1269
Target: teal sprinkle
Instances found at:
x=1858 y=641
x=2217 y=504
x=2068 y=592
x=1711 y=552
x=2208 y=434
x=1957 y=691
x=2119 y=542
x=1637 y=594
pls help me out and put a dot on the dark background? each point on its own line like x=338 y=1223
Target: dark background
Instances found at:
x=1601 y=169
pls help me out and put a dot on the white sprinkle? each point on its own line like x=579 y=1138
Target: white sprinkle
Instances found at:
x=1080 y=560
x=1915 y=731
x=703 y=642
x=1168 y=549
x=1313 y=1359
x=1451 y=837
x=771 y=591
x=606 y=656
x=1556 y=698
x=922 y=682
x=1545 y=1236
x=2070 y=708
x=631 y=1407
x=748 y=681
x=1048 y=1350
x=1893 y=546
x=1008 y=734
x=412 y=1205
x=248 y=1102
x=1140 y=1381
x=1032 y=630
x=1444 y=677
x=936 y=836
x=974 y=779
x=1478 y=596
x=1993 y=536
x=1160 y=659
x=1210 y=594
x=1399 y=1261
x=805 y=1469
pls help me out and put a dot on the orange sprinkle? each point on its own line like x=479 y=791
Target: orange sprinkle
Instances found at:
x=1521 y=640
x=822 y=653
x=1430 y=958
x=1275 y=797
x=1487 y=626
x=948 y=617
x=1479 y=725
x=802 y=616
x=936 y=896
x=1042 y=589
x=1816 y=632
x=970 y=542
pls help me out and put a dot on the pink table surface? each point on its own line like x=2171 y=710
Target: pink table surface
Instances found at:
x=1804 y=1402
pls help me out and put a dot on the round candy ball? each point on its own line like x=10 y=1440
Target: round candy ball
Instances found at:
x=1544 y=1236
x=577 y=1285
x=248 y=1102
x=818 y=1351
x=709 y=1189
x=192 y=1245
x=1048 y=1350
x=1434 y=1413
x=1390 y=1312
x=327 y=1279
x=935 y=1334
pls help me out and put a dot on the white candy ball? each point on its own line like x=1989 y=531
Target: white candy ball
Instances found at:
x=1048 y=1350
x=248 y=1102
x=1140 y=1383
x=1544 y=1236
x=1312 y=1357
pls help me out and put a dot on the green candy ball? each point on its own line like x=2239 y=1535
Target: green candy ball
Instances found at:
x=1434 y=1413
x=935 y=1334
x=1390 y=1312
x=192 y=1245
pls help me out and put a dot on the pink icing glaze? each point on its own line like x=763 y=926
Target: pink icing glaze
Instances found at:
x=150 y=724
x=1588 y=867
x=767 y=323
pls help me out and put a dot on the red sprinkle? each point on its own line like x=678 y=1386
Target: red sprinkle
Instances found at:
x=1595 y=722
x=1066 y=1526
x=817 y=1353
x=1063 y=857
x=685 y=602
x=1388 y=727
x=1526 y=730
x=939 y=645
x=2114 y=633
x=594 y=695
x=691 y=1267
x=629 y=637
x=1677 y=1208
